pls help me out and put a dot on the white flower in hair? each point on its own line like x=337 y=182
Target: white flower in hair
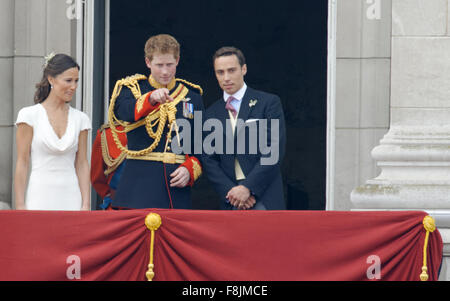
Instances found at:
x=48 y=58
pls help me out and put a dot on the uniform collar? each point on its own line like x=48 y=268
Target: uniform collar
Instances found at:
x=239 y=95
x=157 y=85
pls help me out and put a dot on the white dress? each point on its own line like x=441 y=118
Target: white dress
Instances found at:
x=53 y=183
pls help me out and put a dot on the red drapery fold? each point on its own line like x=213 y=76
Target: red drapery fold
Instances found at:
x=217 y=245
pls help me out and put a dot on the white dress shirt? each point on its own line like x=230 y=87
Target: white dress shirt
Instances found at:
x=238 y=96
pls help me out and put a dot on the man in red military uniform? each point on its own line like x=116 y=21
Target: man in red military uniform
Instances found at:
x=148 y=108
x=107 y=162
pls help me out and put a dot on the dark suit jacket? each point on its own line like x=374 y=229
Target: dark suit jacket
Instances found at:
x=264 y=181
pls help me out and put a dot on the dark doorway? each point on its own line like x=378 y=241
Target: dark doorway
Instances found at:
x=285 y=43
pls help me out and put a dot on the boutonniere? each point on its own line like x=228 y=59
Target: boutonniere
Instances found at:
x=252 y=103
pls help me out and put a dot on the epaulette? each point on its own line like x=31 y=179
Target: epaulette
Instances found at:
x=191 y=85
x=132 y=83
x=134 y=78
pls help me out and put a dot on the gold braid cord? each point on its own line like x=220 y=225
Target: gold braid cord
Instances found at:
x=159 y=117
x=109 y=161
x=430 y=227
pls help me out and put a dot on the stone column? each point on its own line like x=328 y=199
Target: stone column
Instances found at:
x=363 y=60
x=414 y=156
x=29 y=50
x=6 y=99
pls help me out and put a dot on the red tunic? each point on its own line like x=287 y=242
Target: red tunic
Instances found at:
x=99 y=180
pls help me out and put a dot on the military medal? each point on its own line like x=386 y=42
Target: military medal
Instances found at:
x=188 y=110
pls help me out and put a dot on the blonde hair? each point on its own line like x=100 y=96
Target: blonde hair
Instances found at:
x=162 y=43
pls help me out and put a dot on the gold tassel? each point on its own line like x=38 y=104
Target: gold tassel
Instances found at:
x=153 y=222
x=430 y=226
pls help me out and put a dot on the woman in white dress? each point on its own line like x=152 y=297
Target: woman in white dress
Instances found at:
x=53 y=136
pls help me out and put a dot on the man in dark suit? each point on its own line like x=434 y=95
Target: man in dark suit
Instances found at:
x=245 y=171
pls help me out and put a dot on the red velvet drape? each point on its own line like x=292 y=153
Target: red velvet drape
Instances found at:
x=216 y=245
